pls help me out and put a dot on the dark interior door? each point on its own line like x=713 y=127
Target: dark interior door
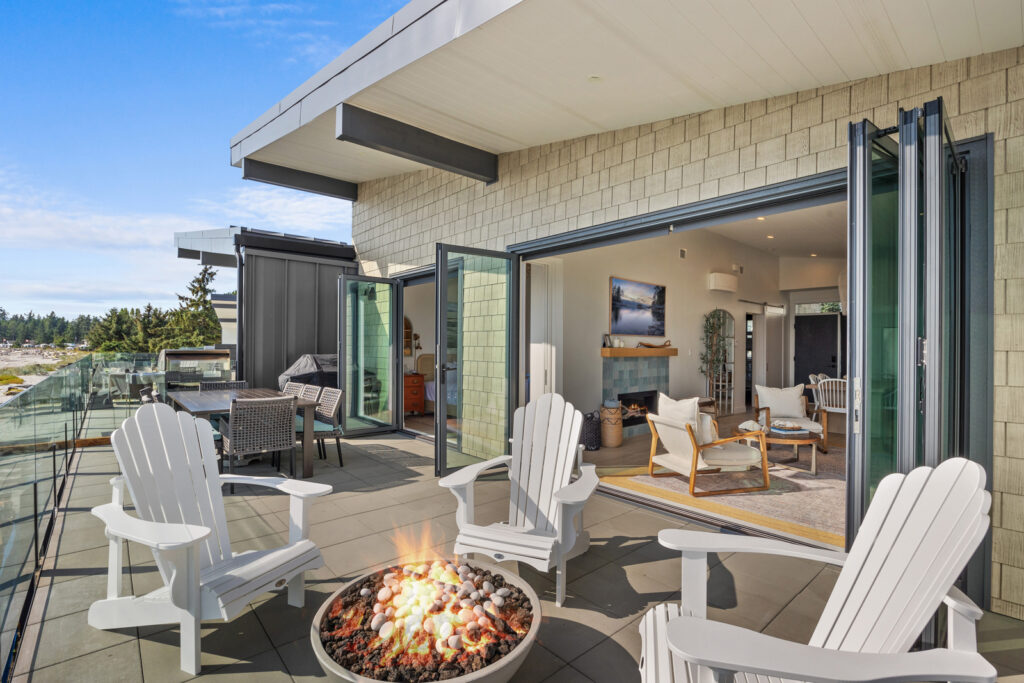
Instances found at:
x=815 y=347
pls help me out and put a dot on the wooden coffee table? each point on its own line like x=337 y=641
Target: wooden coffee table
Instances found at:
x=806 y=439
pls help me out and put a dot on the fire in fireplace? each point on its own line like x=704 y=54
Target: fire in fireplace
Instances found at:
x=636 y=405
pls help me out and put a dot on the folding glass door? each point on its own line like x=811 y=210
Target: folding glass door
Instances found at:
x=368 y=368
x=476 y=353
x=905 y=199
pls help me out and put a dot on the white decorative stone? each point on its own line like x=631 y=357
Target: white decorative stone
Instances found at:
x=504 y=592
x=364 y=592
x=455 y=642
x=377 y=621
x=384 y=594
x=488 y=587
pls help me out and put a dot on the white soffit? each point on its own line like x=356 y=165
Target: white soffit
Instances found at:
x=817 y=230
x=504 y=75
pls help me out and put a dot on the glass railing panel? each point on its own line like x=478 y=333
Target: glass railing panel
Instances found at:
x=37 y=432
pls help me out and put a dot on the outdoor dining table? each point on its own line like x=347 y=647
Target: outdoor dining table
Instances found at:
x=206 y=403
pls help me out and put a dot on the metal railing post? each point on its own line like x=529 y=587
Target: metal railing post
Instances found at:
x=35 y=520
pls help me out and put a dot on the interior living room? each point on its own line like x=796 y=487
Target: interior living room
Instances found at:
x=708 y=314
x=418 y=388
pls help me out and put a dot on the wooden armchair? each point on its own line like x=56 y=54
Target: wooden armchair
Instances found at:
x=763 y=414
x=688 y=457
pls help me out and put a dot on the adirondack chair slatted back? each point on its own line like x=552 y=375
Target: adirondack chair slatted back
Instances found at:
x=169 y=464
x=916 y=538
x=545 y=435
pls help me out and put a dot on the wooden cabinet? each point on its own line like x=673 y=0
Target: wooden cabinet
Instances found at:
x=415 y=394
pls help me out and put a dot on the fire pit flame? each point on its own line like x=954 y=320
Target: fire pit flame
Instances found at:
x=425 y=620
x=426 y=606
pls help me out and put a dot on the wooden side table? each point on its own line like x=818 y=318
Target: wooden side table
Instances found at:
x=415 y=396
x=809 y=439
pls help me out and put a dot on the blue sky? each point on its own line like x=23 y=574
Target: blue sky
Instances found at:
x=115 y=129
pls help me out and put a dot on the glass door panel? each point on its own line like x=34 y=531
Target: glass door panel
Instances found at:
x=369 y=354
x=475 y=371
x=905 y=273
x=873 y=298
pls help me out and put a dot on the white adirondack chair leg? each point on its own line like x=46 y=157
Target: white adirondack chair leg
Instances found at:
x=560 y=582
x=115 y=556
x=694 y=598
x=191 y=649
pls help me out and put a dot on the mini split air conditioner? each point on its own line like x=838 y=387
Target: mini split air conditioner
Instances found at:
x=722 y=282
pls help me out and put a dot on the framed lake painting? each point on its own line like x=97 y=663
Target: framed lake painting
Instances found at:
x=637 y=308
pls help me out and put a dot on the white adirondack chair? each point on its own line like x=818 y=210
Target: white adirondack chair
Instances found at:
x=169 y=463
x=918 y=534
x=544 y=505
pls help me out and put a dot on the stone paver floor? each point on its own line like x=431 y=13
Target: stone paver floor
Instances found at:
x=386 y=487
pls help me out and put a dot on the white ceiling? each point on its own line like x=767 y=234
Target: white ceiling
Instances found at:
x=523 y=77
x=817 y=230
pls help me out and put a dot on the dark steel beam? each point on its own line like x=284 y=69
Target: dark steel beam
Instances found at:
x=383 y=134
x=298 y=180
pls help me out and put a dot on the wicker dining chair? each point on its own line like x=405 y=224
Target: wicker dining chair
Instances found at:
x=258 y=426
x=293 y=388
x=327 y=422
x=223 y=386
x=310 y=392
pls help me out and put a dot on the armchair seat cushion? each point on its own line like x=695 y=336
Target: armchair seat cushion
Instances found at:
x=732 y=454
x=318 y=426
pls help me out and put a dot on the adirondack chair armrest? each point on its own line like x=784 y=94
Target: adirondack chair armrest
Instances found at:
x=468 y=474
x=293 y=487
x=577 y=492
x=961 y=604
x=962 y=615
x=460 y=483
x=706 y=542
x=728 y=649
x=156 y=535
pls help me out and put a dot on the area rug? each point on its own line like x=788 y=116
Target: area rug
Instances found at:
x=797 y=503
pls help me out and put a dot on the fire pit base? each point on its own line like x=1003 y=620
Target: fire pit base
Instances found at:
x=500 y=671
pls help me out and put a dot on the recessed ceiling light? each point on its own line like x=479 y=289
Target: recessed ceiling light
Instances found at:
x=813 y=255
x=760 y=218
x=771 y=237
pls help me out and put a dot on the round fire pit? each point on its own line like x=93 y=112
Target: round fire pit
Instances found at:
x=428 y=621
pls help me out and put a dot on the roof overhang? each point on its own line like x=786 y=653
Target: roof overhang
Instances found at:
x=217 y=247
x=501 y=75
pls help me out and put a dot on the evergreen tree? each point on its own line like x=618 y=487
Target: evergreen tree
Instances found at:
x=194 y=322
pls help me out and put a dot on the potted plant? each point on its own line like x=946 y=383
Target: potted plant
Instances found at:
x=714 y=355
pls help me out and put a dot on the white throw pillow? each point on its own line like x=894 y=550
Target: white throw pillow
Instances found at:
x=684 y=411
x=786 y=402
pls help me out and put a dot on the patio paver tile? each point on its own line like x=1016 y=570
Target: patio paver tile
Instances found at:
x=615 y=658
x=223 y=643
x=117 y=663
x=56 y=640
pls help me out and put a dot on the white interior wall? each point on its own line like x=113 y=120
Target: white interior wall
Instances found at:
x=810 y=273
x=586 y=298
x=419 y=309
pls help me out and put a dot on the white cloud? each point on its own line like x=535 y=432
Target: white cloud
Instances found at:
x=75 y=258
x=274 y=208
x=271 y=25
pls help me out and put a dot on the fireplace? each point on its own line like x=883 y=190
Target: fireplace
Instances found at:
x=636 y=405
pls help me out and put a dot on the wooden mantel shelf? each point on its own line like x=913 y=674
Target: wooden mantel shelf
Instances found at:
x=611 y=352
